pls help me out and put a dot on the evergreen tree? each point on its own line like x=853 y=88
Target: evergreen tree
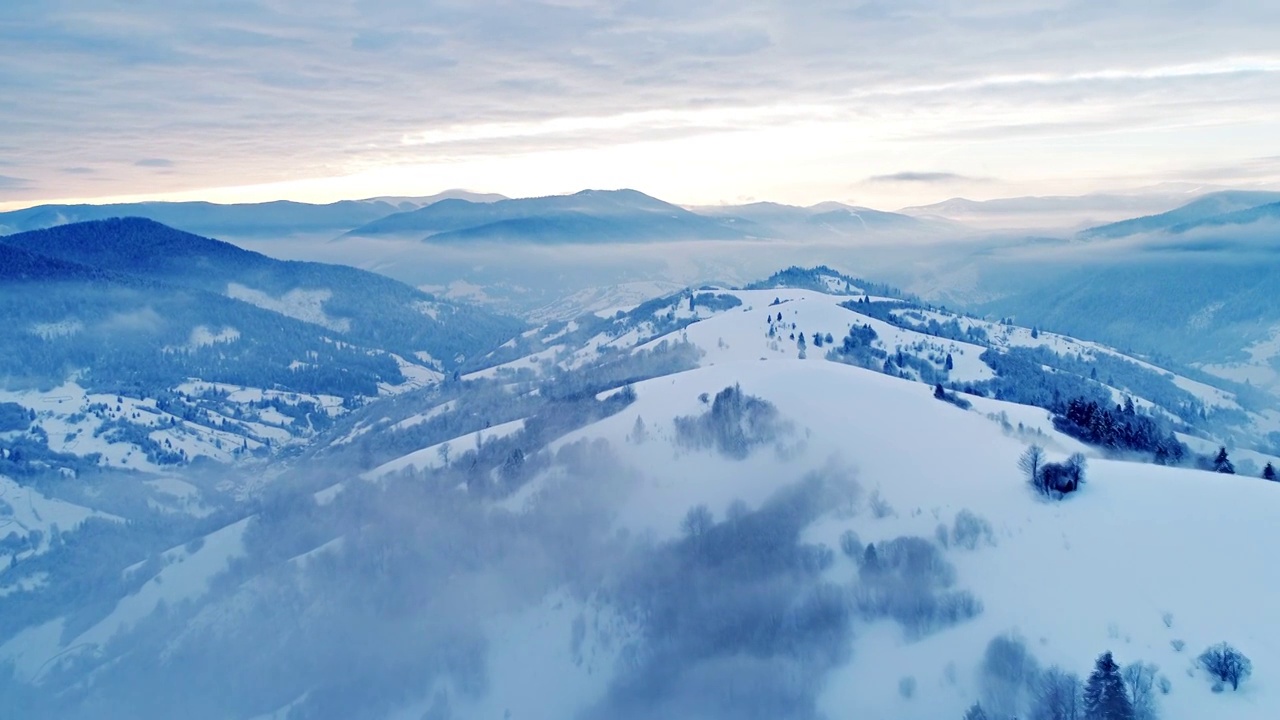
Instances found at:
x=1105 y=696
x=639 y=432
x=1222 y=464
x=1269 y=472
x=870 y=560
x=950 y=365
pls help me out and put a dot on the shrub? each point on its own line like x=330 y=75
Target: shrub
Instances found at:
x=1226 y=663
x=969 y=529
x=851 y=545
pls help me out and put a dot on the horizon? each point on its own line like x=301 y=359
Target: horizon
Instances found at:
x=701 y=106
x=1166 y=190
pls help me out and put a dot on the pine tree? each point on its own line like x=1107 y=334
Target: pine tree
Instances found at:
x=1269 y=472
x=1222 y=464
x=639 y=432
x=949 y=366
x=1105 y=697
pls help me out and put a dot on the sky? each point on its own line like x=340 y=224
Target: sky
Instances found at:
x=886 y=104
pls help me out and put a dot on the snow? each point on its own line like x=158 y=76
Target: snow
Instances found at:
x=299 y=304
x=176 y=495
x=24 y=510
x=528 y=361
x=1005 y=336
x=202 y=336
x=602 y=301
x=418 y=419
x=1097 y=571
x=63 y=328
x=1262 y=368
x=329 y=494
x=26 y=583
x=1094 y=572
x=429 y=457
x=185 y=576
x=416 y=377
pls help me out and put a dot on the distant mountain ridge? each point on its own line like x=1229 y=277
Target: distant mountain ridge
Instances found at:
x=1043 y=213
x=169 y=284
x=256 y=220
x=375 y=310
x=586 y=216
x=826 y=220
x=1221 y=208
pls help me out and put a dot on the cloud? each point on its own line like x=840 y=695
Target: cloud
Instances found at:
x=921 y=177
x=79 y=171
x=154 y=163
x=14 y=183
x=253 y=92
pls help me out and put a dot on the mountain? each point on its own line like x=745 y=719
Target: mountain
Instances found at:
x=1212 y=209
x=256 y=220
x=143 y=329
x=587 y=216
x=1217 y=253
x=1054 y=212
x=1247 y=216
x=361 y=306
x=1222 y=317
x=678 y=510
x=407 y=203
x=829 y=220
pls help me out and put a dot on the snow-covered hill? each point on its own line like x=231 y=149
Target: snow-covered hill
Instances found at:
x=719 y=503
x=1099 y=571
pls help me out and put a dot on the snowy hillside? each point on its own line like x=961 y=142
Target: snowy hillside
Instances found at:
x=832 y=317
x=1133 y=531
x=777 y=502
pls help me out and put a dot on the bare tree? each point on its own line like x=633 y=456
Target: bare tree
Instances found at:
x=1227 y=664
x=1057 y=696
x=1030 y=464
x=697 y=521
x=1008 y=677
x=1140 y=678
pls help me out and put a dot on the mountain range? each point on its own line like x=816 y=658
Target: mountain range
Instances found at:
x=250 y=220
x=804 y=495
x=1219 y=209
x=109 y=309
x=454 y=217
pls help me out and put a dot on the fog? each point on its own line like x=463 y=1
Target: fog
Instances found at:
x=386 y=596
x=522 y=278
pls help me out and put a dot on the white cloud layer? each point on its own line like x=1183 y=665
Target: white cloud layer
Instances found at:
x=699 y=102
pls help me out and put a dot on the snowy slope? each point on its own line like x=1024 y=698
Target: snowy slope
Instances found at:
x=1095 y=572
x=1141 y=557
x=24 y=511
x=183 y=574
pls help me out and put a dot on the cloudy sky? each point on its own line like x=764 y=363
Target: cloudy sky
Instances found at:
x=885 y=103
